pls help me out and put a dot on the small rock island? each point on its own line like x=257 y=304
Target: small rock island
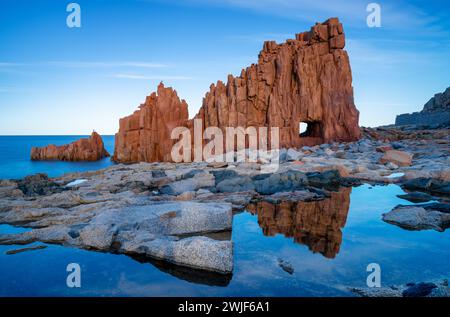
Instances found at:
x=85 y=149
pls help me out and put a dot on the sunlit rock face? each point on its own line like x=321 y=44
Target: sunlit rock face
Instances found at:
x=316 y=224
x=144 y=136
x=304 y=80
x=86 y=149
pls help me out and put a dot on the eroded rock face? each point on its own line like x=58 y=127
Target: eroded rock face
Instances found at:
x=144 y=136
x=307 y=79
x=90 y=149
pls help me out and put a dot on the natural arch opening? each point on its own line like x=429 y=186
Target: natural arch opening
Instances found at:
x=310 y=129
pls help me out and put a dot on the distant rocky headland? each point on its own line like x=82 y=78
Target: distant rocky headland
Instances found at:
x=435 y=113
x=86 y=149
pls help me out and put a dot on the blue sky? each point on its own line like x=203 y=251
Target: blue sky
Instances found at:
x=60 y=80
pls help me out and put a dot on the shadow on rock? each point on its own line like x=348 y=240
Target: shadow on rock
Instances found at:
x=187 y=274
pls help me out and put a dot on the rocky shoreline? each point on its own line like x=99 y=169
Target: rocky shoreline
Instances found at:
x=170 y=212
x=423 y=289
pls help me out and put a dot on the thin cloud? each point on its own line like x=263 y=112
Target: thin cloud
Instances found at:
x=79 y=64
x=395 y=15
x=144 y=77
x=104 y=64
x=368 y=52
x=260 y=38
x=3 y=64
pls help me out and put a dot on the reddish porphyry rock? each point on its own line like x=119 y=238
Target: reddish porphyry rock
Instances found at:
x=399 y=158
x=145 y=135
x=384 y=148
x=303 y=80
x=90 y=149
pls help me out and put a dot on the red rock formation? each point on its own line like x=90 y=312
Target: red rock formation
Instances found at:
x=90 y=149
x=303 y=80
x=316 y=224
x=145 y=135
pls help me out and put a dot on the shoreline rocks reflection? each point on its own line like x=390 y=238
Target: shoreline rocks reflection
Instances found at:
x=316 y=224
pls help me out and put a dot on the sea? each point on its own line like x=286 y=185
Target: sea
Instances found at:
x=15 y=156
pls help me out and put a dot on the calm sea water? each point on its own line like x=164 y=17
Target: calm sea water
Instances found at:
x=325 y=257
x=15 y=156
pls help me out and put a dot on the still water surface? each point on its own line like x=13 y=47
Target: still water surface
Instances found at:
x=329 y=244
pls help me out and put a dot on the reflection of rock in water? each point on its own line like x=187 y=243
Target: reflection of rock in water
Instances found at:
x=187 y=274
x=316 y=224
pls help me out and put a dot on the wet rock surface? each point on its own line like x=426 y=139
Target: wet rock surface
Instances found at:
x=422 y=289
x=416 y=197
x=420 y=217
x=286 y=266
x=38 y=184
x=16 y=251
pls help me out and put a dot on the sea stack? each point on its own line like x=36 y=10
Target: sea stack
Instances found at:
x=304 y=80
x=86 y=149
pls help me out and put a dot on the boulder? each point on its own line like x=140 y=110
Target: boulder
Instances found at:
x=293 y=155
x=419 y=217
x=419 y=289
x=236 y=184
x=38 y=184
x=435 y=186
x=267 y=184
x=399 y=158
x=200 y=180
x=384 y=148
x=416 y=197
x=195 y=252
x=286 y=266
